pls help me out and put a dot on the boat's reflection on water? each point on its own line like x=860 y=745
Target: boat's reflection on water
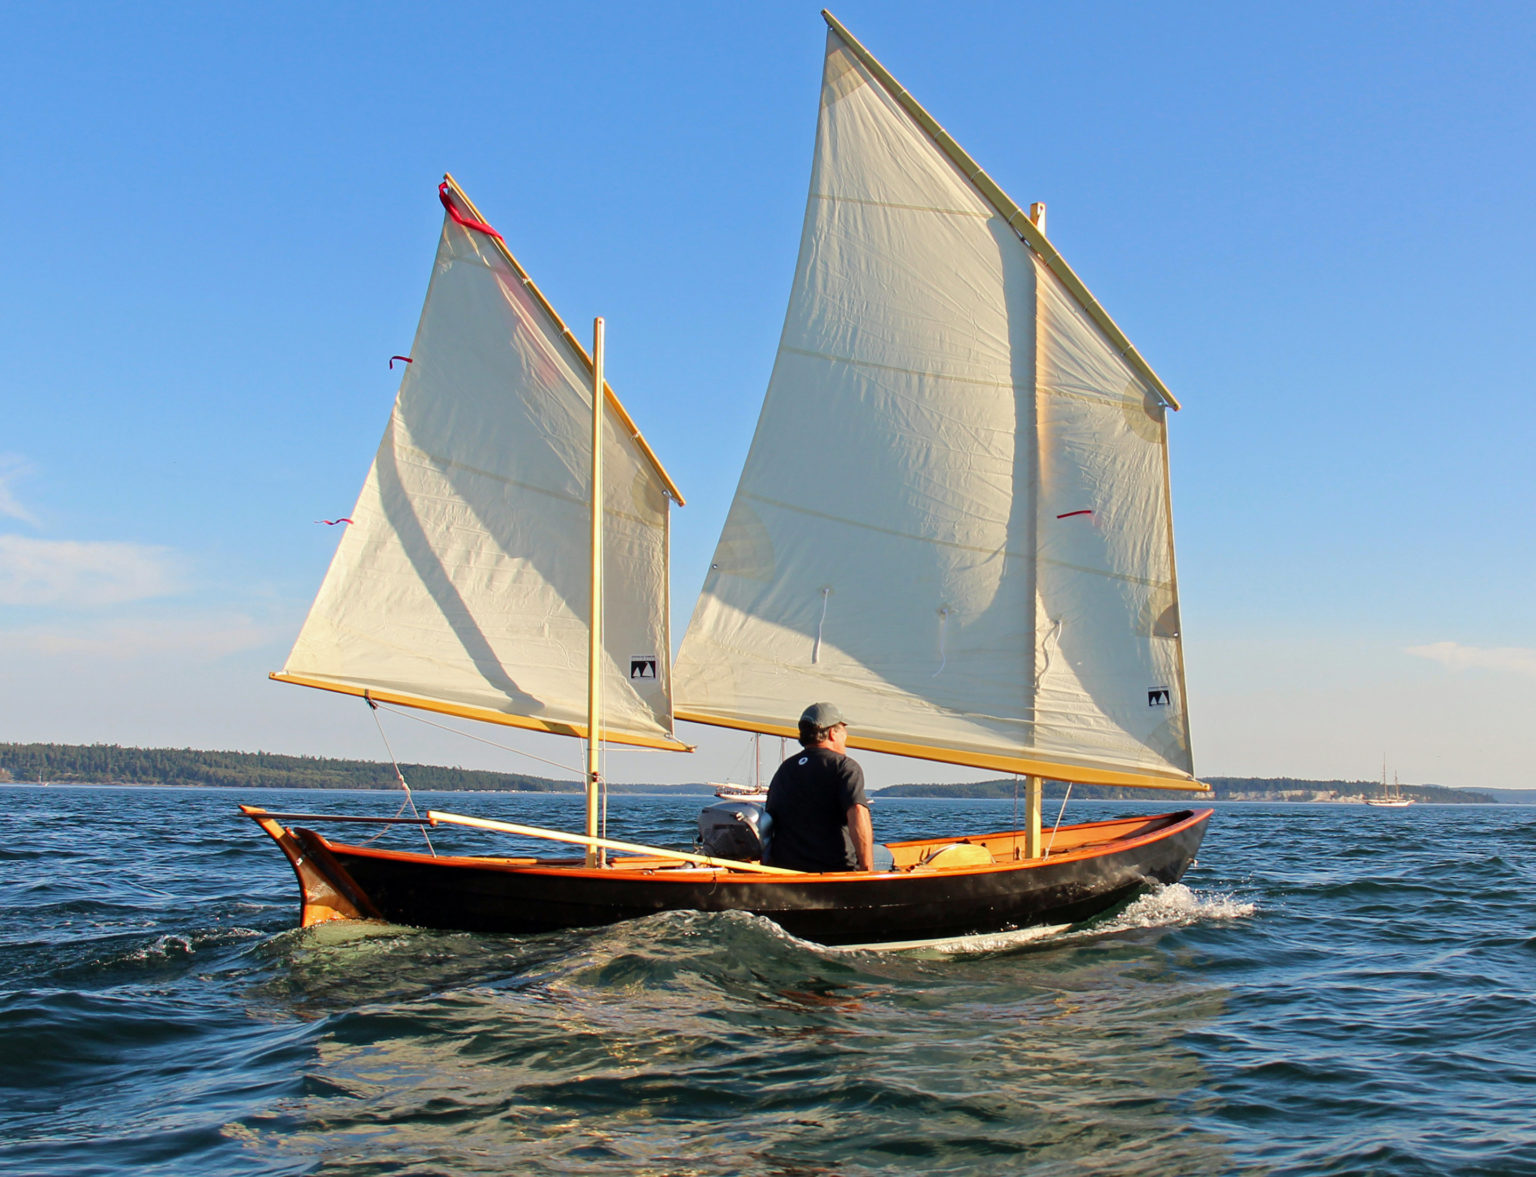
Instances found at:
x=716 y=1044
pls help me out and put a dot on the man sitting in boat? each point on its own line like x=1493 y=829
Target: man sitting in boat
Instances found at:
x=816 y=799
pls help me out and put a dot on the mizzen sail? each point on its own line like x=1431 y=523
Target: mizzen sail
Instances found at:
x=954 y=515
x=462 y=584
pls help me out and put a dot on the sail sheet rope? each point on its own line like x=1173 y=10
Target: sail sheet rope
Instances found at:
x=410 y=802
x=479 y=739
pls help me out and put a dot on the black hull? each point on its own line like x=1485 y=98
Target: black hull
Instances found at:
x=484 y=895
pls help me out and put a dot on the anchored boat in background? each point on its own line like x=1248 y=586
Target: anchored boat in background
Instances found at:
x=954 y=520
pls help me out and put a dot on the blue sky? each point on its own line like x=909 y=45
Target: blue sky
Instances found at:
x=1313 y=220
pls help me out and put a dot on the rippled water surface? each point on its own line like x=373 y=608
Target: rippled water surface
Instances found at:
x=1334 y=989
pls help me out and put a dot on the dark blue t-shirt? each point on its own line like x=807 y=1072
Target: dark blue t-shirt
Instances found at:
x=808 y=799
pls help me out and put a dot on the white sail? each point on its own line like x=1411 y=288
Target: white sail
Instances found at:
x=953 y=520
x=463 y=582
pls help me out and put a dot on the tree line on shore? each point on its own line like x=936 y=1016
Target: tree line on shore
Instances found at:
x=1222 y=789
x=111 y=764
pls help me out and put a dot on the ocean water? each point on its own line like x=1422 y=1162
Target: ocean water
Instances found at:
x=1333 y=989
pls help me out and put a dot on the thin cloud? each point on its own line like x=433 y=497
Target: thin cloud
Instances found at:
x=1511 y=659
x=76 y=574
x=13 y=468
x=203 y=638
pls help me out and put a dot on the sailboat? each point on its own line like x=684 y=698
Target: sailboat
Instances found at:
x=757 y=791
x=1391 y=796
x=954 y=520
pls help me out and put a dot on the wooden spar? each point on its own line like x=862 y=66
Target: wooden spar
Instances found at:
x=252 y=812
x=595 y=628
x=1051 y=770
x=437 y=816
x=1033 y=789
x=478 y=714
x=1036 y=474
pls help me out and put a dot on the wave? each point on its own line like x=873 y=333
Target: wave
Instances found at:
x=1310 y=996
x=1178 y=905
x=179 y=946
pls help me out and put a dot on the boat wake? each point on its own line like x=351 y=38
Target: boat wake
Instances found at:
x=1174 y=906
x=174 y=947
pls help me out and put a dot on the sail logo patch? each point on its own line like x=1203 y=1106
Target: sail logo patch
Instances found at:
x=642 y=668
x=1159 y=697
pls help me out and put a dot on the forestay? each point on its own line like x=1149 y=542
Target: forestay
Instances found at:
x=954 y=515
x=463 y=582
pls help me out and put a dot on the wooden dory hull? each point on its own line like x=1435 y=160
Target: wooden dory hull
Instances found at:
x=523 y=896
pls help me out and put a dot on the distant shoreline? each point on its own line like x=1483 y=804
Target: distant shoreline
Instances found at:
x=1484 y=797
x=113 y=765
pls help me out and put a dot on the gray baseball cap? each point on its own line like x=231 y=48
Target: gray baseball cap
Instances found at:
x=822 y=715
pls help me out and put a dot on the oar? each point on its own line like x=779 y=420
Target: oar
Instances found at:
x=436 y=816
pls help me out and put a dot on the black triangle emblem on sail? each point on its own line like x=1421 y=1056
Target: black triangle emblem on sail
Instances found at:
x=643 y=669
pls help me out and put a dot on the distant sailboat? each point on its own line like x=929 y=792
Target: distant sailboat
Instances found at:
x=954 y=521
x=1390 y=797
x=757 y=791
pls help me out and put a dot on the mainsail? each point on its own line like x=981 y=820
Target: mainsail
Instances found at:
x=463 y=582
x=954 y=517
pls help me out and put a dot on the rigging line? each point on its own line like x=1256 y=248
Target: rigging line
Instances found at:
x=384 y=829
x=602 y=792
x=1015 y=816
x=826 y=591
x=481 y=739
x=1059 y=814
x=399 y=776
x=602 y=780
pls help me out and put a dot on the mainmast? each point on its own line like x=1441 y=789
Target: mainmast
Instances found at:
x=595 y=642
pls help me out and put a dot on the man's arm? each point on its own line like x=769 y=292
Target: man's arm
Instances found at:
x=863 y=834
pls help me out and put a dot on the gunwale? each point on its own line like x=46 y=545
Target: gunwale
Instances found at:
x=622 y=869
